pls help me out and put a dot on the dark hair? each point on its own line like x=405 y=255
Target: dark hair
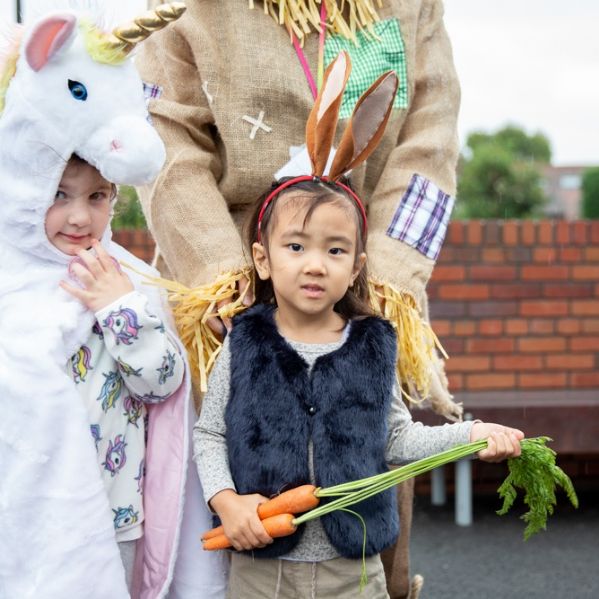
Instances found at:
x=354 y=304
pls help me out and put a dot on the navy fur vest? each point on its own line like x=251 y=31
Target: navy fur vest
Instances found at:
x=276 y=406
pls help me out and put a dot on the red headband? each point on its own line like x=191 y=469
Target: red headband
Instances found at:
x=273 y=194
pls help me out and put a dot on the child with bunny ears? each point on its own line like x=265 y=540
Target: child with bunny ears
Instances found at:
x=305 y=387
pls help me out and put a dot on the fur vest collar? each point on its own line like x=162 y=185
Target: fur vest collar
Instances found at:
x=278 y=406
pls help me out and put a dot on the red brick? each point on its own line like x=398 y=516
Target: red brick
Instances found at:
x=528 y=230
x=591 y=254
x=542 y=326
x=442 y=328
x=475 y=232
x=541 y=344
x=546 y=232
x=492 y=273
x=590 y=325
x=569 y=326
x=570 y=254
x=585 y=308
x=464 y=292
x=516 y=326
x=490 y=327
x=545 y=273
x=449 y=273
x=541 y=380
x=584 y=343
x=517 y=290
x=562 y=232
x=455 y=382
x=468 y=363
x=585 y=273
x=518 y=362
x=580 y=232
x=464 y=328
x=584 y=379
x=455 y=232
x=490 y=381
x=492 y=256
x=544 y=255
x=543 y=308
x=492 y=309
x=510 y=232
x=571 y=361
x=594 y=231
x=569 y=290
x=454 y=346
x=489 y=346
x=492 y=230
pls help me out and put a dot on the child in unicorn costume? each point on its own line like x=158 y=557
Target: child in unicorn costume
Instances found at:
x=79 y=372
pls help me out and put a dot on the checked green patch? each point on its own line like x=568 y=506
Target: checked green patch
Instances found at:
x=370 y=58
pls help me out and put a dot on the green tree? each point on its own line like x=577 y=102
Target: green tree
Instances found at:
x=127 y=212
x=590 y=193
x=501 y=175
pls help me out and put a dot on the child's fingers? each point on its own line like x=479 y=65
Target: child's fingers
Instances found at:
x=105 y=259
x=91 y=262
x=83 y=274
x=76 y=292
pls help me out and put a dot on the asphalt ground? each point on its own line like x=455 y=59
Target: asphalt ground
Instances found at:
x=490 y=559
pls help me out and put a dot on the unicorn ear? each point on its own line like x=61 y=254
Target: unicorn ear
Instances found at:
x=47 y=38
x=322 y=122
x=366 y=126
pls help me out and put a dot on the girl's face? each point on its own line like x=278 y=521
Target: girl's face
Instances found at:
x=311 y=264
x=81 y=210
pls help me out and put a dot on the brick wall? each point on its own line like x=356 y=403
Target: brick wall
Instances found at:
x=516 y=305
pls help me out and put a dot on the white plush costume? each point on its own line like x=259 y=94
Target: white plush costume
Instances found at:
x=56 y=533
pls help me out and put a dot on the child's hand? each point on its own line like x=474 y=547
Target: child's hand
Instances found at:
x=239 y=515
x=503 y=441
x=220 y=325
x=101 y=278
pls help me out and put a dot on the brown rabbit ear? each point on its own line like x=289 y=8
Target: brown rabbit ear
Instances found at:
x=367 y=124
x=322 y=122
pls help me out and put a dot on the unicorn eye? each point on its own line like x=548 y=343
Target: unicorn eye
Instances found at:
x=78 y=90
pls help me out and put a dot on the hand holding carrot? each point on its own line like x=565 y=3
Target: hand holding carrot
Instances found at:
x=239 y=515
x=502 y=441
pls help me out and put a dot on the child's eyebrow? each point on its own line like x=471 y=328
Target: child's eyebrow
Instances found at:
x=303 y=235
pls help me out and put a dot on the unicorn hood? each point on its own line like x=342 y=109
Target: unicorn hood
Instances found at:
x=67 y=88
x=72 y=93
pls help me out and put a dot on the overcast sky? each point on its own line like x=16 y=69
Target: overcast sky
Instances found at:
x=534 y=63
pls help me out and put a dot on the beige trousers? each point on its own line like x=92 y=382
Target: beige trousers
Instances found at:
x=253 y=578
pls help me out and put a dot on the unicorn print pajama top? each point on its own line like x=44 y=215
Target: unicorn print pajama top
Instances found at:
x=128 y=361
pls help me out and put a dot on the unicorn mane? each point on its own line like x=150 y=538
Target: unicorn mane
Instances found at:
x=9 y=55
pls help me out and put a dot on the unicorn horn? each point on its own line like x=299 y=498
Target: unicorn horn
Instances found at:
x=139 y=29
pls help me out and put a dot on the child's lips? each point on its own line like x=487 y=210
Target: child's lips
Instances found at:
x=74 y=238
x=312 y=290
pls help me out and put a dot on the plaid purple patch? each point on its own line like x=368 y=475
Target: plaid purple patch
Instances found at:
x=151 y=92
x=422 y=217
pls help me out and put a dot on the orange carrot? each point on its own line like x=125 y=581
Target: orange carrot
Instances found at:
x=295 y=501
x=280 y=525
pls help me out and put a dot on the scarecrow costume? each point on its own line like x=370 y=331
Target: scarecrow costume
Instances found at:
x=230 y=87
x=68 y=86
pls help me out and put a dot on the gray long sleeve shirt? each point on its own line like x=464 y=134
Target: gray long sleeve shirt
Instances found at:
x=407 y=441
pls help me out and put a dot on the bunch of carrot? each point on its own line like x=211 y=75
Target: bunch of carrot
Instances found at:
x=536 y=464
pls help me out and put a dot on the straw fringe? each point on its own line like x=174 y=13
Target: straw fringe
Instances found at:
x=302 y=17
x=192 y=307
x=416 y=341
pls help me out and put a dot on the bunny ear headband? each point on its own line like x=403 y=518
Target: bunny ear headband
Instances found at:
x=360 y=138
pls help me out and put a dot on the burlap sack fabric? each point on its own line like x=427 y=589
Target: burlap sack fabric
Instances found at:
x=233 y=98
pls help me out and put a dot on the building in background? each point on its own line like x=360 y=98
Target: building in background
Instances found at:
x=562 y=185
